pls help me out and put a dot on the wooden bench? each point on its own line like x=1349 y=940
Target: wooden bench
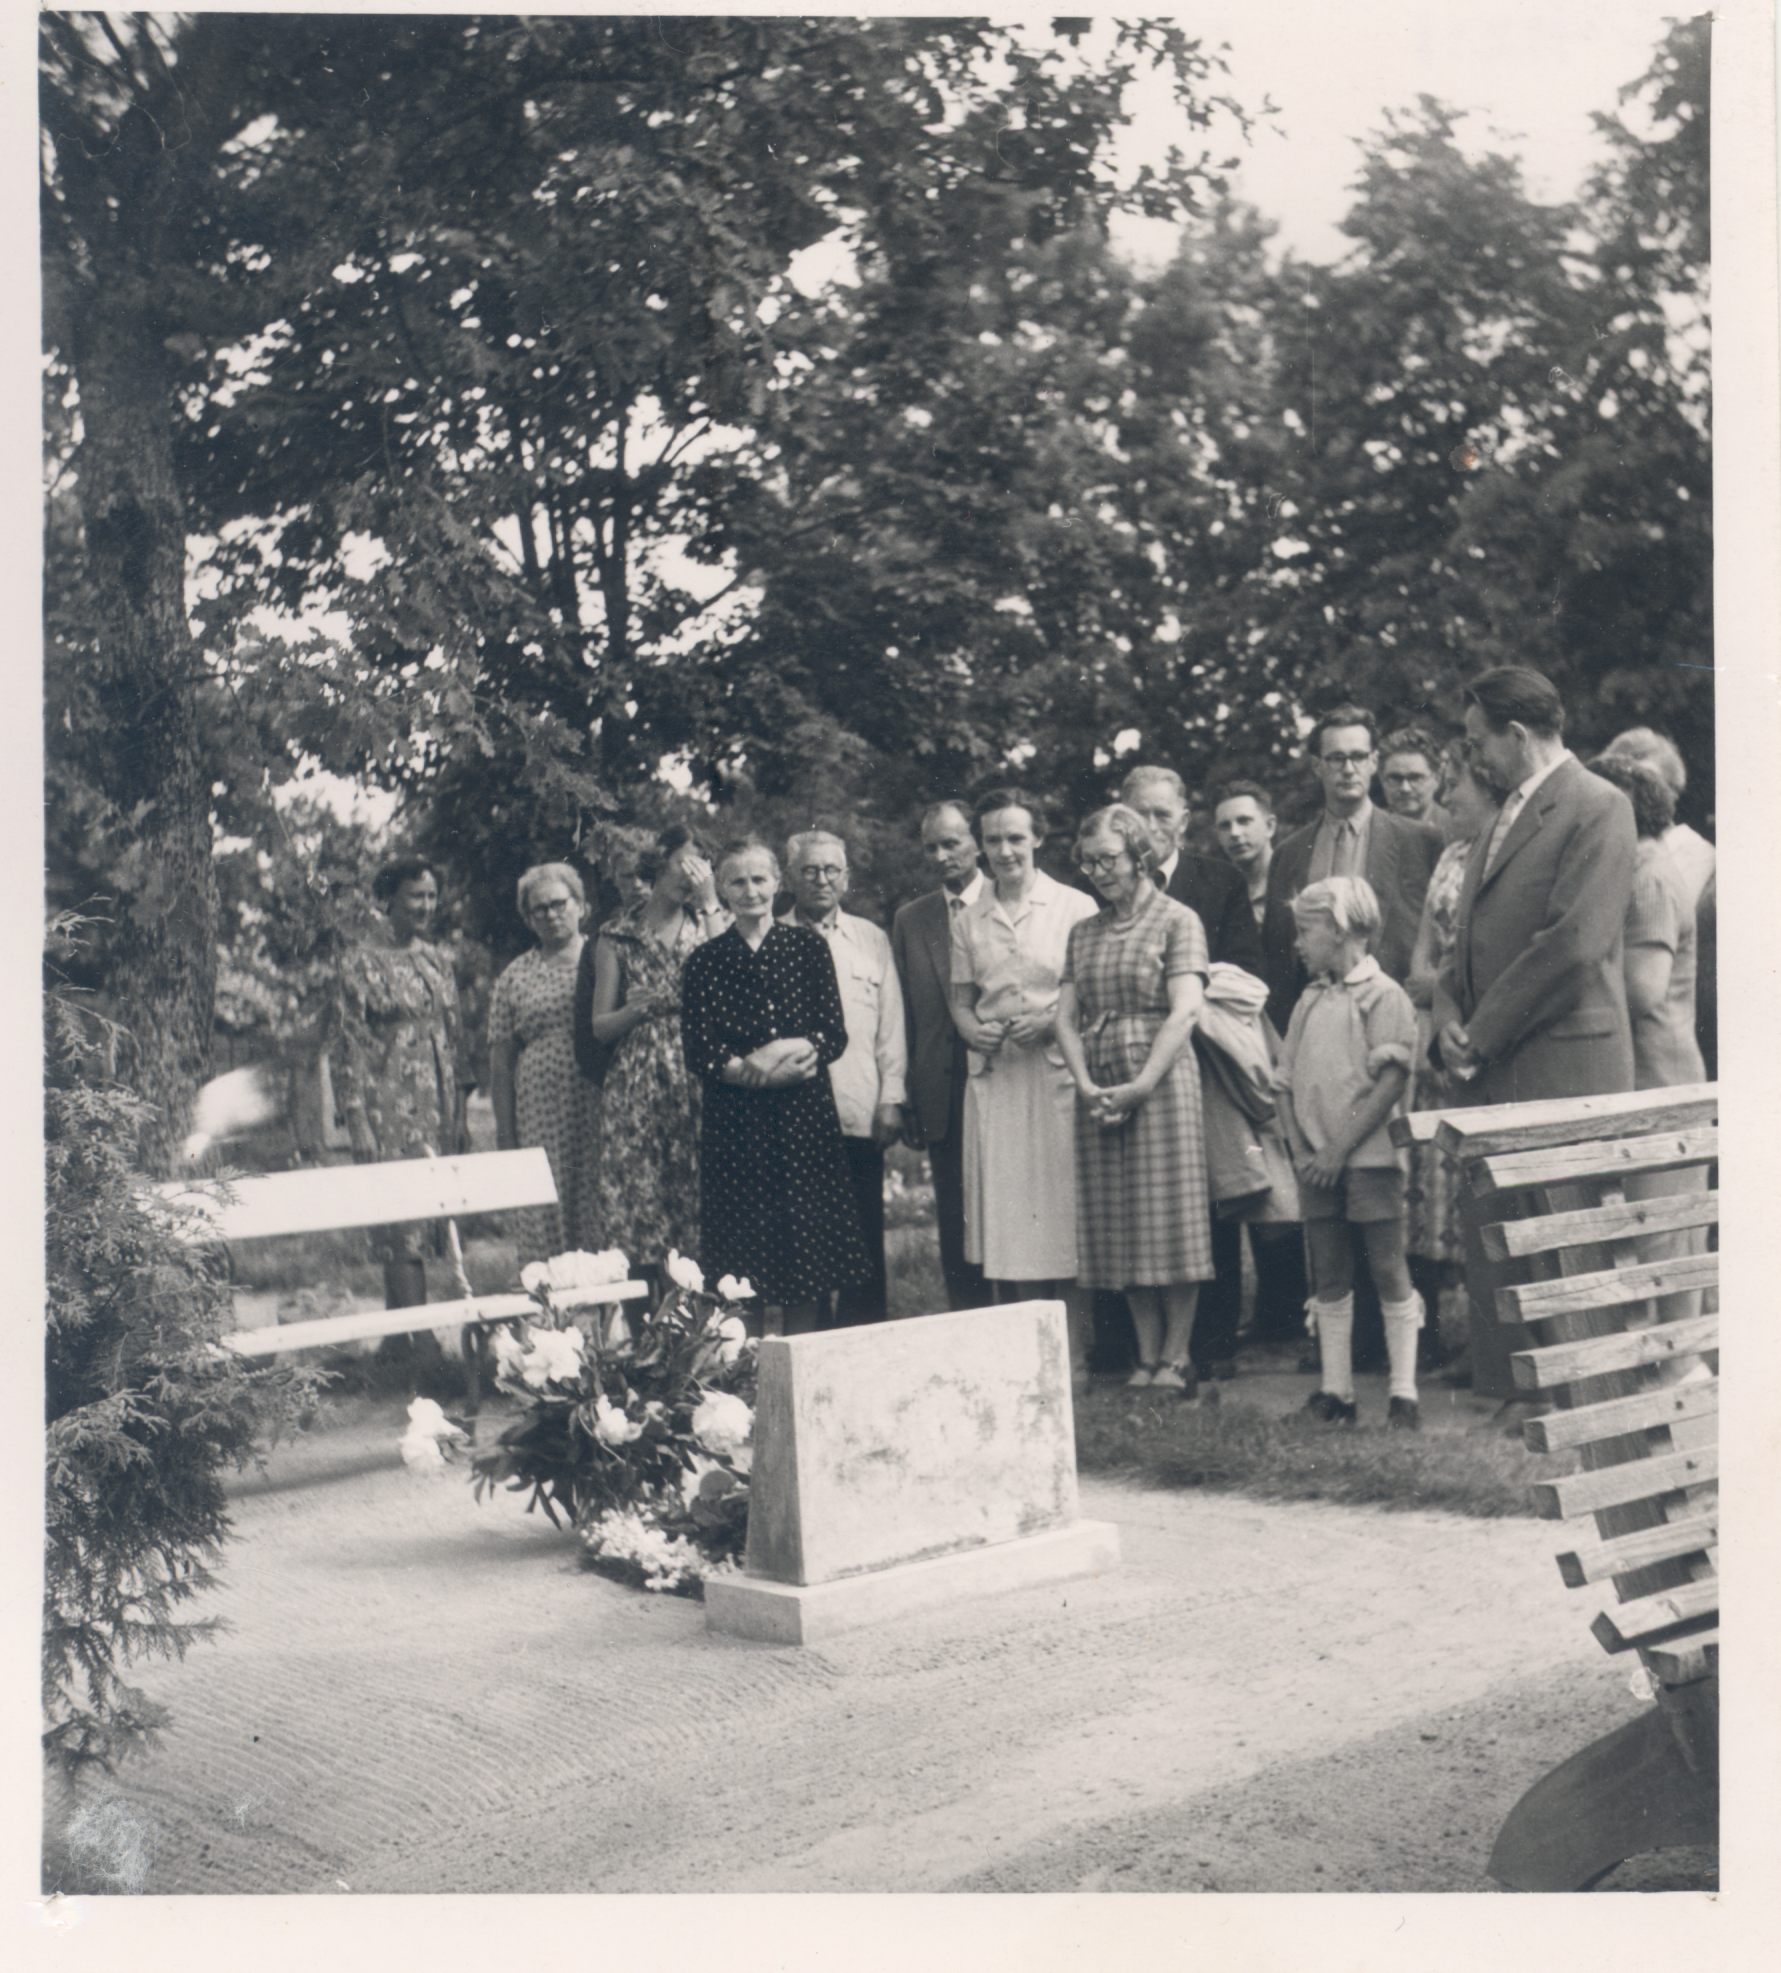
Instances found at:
x=331 y=1198
x=1622 y=1343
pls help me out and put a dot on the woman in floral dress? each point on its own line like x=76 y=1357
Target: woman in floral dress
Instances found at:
x=539 y=1095
x=394 y=1057
x=646 y=1188
x=1433 y=1237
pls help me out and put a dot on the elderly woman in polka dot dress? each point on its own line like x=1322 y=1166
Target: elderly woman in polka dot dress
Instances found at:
x=760 y=1022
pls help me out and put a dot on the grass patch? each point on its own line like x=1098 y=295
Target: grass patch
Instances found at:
x=1236 y=1448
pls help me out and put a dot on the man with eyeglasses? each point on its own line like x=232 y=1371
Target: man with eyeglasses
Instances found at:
x=1352 y=837
x=1410 y=774
x=868 y=1080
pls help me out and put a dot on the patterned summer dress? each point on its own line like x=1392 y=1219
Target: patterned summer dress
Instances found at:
x=775 y=1200
x=554 y=1105
x=1142 y=1212
x=394 y=1063
x=646 y=1190
x=1433 y=1230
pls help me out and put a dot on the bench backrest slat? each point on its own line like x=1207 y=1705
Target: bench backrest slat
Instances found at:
x=1627 y=1219
x=328 y=1197
x=1610 y=1157
x=1606 y=1288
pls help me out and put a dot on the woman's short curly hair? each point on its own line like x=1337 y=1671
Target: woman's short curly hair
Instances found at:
x=566 y=874
x=1654 y=806
x=1116 y=819
x=651 y=862
x=400 y=870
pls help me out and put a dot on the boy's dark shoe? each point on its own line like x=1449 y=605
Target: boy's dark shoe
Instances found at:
x=1329 y=1409
x=1403 y=1415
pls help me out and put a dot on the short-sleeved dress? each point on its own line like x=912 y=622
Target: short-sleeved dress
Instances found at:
x=646 y=1191
x=554 y=1105
x=1020 y=1104
x=1433 y=1230
x=775 y=1200
x=395 y=1063
x=1142 y=1212
x=1666 y=1050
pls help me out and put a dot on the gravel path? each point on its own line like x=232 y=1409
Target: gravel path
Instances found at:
x=419 y=1693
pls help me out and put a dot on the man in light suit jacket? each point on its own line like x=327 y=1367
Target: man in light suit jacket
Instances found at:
x=1532 y=1001
x=1351 y=838
x=934 y=1114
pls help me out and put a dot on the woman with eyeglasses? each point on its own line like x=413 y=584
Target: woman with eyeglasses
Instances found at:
x=1020 y=1110
x=539 y=1095
x=646 y=1191
x=1133 y=980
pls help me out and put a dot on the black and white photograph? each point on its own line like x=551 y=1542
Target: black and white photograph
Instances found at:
x=879 y=951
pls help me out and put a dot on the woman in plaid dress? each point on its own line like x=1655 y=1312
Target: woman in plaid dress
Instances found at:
x=1130 y=996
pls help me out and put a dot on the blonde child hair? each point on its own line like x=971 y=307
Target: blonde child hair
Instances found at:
x=1350 y=904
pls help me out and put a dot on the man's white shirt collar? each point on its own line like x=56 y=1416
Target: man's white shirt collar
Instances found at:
x=957 y=900
x=1525 y=791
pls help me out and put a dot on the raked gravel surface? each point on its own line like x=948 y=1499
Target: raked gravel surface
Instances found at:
x=420 y=1693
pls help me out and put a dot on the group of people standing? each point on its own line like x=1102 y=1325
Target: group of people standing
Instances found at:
x=1110 y=1080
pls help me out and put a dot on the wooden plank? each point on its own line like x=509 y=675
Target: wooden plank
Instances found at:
x=327 y=1197
x=1505 y=1239
x=1611 y=1157
x=1600 y=1356
x=330 y=1330
x=1688 y=1659
x=1672 y=1540
x=1590 y=1423
x=1616 y=1486
x=1496 y=1128
x=1633 y=1623
x=1540 y=1301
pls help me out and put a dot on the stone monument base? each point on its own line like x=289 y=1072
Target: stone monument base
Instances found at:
x=792 y=1613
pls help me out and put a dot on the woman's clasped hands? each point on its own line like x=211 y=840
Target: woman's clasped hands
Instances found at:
x=779 y=1064
x=1114 y=1104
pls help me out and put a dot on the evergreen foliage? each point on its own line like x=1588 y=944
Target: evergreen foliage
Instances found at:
x=143 y=1416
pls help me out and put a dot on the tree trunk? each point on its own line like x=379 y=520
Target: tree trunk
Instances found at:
x=160 y=949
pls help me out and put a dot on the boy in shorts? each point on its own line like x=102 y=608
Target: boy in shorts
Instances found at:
x=1342 y=1077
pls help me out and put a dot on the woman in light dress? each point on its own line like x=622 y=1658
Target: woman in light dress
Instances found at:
x=1008 y=952
x=539 y=1095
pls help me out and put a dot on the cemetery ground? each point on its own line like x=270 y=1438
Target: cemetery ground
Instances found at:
x=1326 y=1662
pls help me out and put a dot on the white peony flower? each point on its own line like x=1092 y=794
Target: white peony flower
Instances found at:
x=722 y=1422
x=685 y=1272
x=690 y=1479
x=510 y=1353
x=555 y=1353
x=569 y=1276
x=611 y=1426
x=730 y=1334
x=430 y=1437
x=733 y=1290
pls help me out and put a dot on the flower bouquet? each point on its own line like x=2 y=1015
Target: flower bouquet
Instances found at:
x=636 y=1437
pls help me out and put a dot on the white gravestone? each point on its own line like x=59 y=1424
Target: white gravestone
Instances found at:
x=904 y=1464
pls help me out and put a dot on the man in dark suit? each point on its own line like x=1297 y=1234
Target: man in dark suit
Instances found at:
x=1352 y=838
x=1532 y=1001
x=1214 y=890
x=921 y=945
x=1209 y=886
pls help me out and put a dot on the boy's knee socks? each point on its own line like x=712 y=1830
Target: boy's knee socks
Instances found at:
x=1334 y=1323
x=1402 y=1320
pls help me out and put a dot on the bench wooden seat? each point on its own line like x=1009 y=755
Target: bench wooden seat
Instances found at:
x=1568 y=1208
x=329 y=1198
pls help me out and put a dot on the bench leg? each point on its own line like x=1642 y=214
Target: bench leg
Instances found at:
x=1629 y=1793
